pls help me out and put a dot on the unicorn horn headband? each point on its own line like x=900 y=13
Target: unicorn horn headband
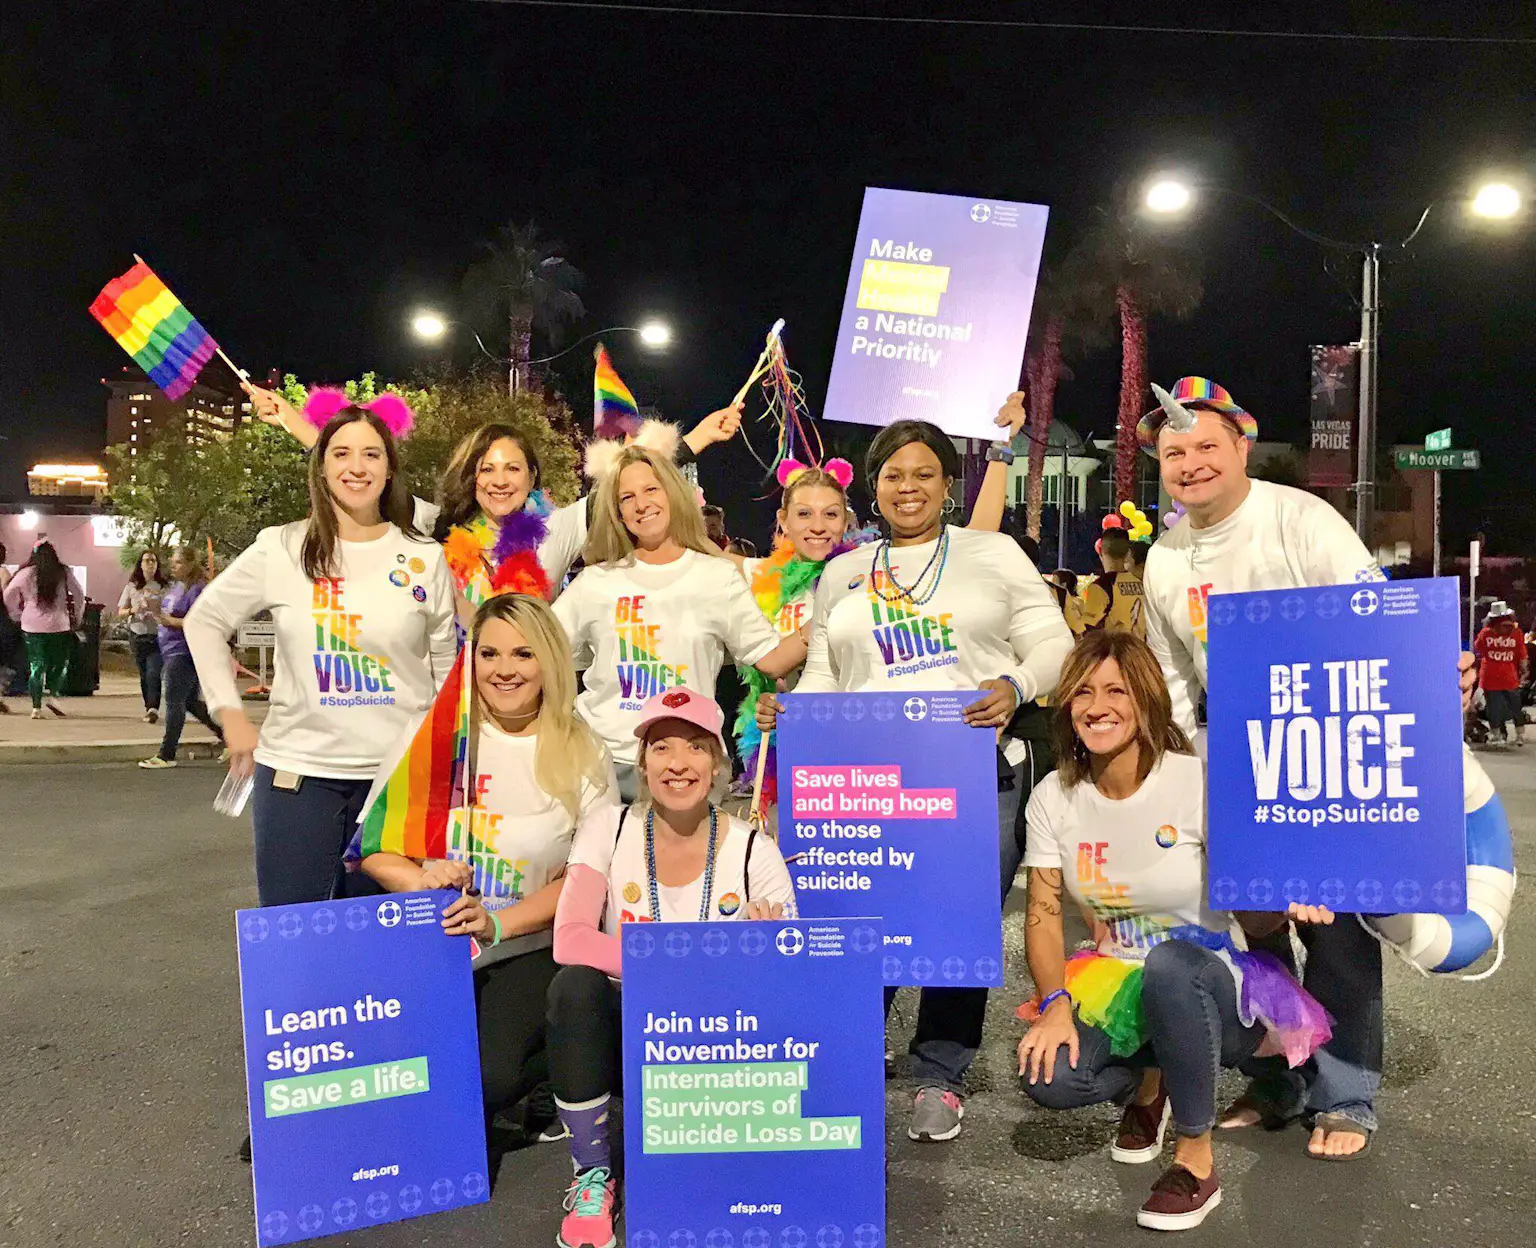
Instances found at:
x=1180 y=418
x=325 y=401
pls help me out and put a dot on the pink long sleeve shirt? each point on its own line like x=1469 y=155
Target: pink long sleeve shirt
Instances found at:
x=22 y=603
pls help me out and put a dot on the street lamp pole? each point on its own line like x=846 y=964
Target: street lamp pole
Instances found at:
x=1370 y=349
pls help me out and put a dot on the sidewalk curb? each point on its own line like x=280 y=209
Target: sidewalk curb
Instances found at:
x=100 y=752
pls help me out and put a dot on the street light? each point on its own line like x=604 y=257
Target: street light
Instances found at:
x=655 y=334
x=1167 y=195
x=429 y=325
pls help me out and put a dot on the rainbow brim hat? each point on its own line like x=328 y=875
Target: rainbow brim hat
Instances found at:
x=1199 y=394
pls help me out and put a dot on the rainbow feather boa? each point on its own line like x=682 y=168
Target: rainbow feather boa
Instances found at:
x=1107 y=992
x=489 y=559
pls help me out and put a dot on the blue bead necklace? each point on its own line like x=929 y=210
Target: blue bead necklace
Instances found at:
x=650 y=865
x=903 y=594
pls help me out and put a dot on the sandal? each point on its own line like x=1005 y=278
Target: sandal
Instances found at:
x=1332 y=1124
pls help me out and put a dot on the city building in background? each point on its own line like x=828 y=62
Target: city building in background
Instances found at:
x=137 y=411
x=87 y=481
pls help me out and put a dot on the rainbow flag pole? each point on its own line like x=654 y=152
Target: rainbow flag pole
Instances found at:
x=155 y=328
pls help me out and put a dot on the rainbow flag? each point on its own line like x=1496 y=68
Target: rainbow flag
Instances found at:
x=410 y=816
x=151 y=325
x=614 y=412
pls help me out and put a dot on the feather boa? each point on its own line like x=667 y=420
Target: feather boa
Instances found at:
x=488 y=559
x=778 y=580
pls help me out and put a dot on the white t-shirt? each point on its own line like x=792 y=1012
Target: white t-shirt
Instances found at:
x=358 y=655
x=516 y=837
x=618 y=853
x=1139 y=863
x=647 y=627
x=1279 y=538
x=992 y=615
x=144 y=602
x=566 y=535
x=793 y=614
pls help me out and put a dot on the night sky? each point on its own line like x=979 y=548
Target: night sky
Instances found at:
x=304 y=175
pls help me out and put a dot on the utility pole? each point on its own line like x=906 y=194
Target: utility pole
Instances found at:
x=1370 y=346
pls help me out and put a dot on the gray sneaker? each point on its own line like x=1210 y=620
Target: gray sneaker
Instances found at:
x=936 y=1115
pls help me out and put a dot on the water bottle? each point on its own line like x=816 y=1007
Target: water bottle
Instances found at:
x=234 y=793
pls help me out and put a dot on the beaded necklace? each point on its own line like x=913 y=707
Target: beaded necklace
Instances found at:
x=904 y=594
x=650 y=866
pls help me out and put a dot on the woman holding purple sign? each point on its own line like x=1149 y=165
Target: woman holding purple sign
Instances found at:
x=1147 y=1019
x=936 y=607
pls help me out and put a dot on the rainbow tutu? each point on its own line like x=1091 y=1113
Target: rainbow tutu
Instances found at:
x=1107 y=992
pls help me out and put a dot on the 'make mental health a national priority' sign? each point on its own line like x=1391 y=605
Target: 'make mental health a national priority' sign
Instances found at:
x=362 y=1064
x=1335 y=749
x=754 y=1085
x=937 y=310
x=888 y=806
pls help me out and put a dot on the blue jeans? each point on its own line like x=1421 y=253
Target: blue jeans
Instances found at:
x=146 y=657
x=949 y=1020
x=182 y=695
x=1189 y=999
x=1343 y=972
x=300 y=836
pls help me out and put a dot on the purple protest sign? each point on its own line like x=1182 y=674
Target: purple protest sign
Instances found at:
x=937 y=310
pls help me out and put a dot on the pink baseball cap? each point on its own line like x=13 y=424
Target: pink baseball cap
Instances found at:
x=686 y=705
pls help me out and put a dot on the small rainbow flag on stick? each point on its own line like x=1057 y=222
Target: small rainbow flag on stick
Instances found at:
x=614 y=413
x=410 y=816
x=154 y=328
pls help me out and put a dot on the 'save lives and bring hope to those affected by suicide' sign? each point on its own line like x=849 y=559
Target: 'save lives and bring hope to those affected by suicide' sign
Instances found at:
x=362 y=1064
x=1335 y=749
x=754 y=1085
x=888 y=806
x=937 y=310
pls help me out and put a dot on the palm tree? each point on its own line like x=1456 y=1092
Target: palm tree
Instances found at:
x=524 y=277
x=1134 y=274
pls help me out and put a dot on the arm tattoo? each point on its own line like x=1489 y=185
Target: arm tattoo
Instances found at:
x=1046 y=900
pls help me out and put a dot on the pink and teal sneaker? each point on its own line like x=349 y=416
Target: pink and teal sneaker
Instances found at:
x=589 y=1202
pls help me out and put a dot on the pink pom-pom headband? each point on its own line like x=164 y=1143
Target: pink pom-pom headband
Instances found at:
x=840 y=470
x=393 y=411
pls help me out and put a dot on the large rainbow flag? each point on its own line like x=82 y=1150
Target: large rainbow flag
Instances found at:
x=614 y=412
x=410 y=816
x=153 y=326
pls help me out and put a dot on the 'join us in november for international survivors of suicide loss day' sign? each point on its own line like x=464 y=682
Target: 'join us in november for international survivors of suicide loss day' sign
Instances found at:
x=362 y=1064
x=888 y=806
x=937 y=310
x=754 y=1084
x=1335 y=749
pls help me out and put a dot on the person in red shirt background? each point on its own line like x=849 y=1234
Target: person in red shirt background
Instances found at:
x=1502 y=669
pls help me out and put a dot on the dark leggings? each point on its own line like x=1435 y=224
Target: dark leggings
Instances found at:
x=510 y=998
x=1193 y=1029
x=146 y=657
x=300 y=836
x=182 y=695
x=583 y=1030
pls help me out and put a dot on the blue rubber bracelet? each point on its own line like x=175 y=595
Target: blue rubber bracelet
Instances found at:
x=1018 y=689
x=1046 y=1004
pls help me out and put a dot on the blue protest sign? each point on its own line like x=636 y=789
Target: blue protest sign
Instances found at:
x=754 y=1082
x=362 y=1065
x=1335 y=749
x=937 y=310
x=888 y=806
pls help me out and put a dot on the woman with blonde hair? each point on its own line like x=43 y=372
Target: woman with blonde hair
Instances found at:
x=657 y=605
x=1147 y=1020
x=527 y=772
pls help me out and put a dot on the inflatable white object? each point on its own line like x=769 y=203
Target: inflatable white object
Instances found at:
x=1451 y=942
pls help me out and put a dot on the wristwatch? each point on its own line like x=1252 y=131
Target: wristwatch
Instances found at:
x=1000 y=453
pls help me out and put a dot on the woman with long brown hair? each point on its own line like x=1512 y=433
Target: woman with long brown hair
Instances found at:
x=1147 y=1019
x=364 y=615
x=46 y=600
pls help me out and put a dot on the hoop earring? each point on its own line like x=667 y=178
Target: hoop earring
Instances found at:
x=949 y=508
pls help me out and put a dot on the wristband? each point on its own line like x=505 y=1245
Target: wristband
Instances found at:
x=1018 y=689
x=1051 y=997
x=496 y=923
x=1000 y=453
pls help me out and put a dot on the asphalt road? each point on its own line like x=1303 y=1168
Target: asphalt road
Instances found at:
x=123 y=1104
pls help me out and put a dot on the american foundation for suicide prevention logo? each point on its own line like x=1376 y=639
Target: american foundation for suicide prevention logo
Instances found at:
x=389 y=913
x=915 y=709
x=789 y=941
x=1364 y=602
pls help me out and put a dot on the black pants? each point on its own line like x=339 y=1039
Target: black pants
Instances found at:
x=583 y=1027
x=949 y=1020
x=510 y=1002
x=301 y=835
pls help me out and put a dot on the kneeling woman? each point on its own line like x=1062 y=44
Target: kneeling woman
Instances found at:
x=1168 y=998
x=673 y=856
x=534 y=770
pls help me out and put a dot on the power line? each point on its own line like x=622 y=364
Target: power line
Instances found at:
x=671 y=10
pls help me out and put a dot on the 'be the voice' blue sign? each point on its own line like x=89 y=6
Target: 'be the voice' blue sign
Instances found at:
x=1335 y=749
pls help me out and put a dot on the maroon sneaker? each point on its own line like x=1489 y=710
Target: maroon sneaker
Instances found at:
x=1179 y=1201
x=1142 y=1128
